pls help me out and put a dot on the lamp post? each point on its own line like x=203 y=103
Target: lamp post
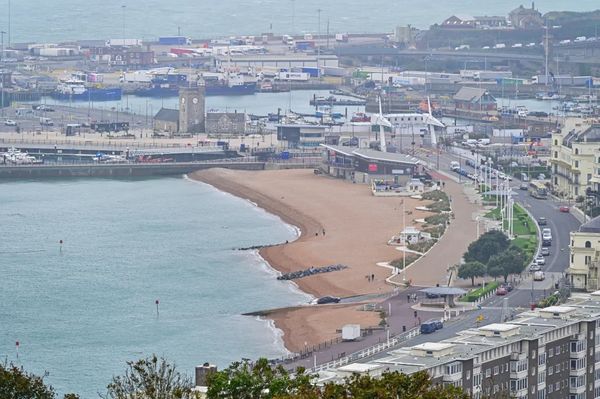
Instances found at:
x=318 y=45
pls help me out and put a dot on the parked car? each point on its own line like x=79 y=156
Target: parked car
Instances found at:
x=431 y=296
x=546 y=243
x=328 y=299
x=540 y=260
x=564 y=209
x=501 y=291
x=545 y=251
x=523 y=186
x=542 y=221
x=10 y=122
x=535 y=267
x=507 y=286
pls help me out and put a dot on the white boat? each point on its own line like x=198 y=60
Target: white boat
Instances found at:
x=16 y=157
x=584 y=98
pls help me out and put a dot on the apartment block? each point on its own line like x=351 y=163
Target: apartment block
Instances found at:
x=585 y=256
x=575 y=159
x=550 y=353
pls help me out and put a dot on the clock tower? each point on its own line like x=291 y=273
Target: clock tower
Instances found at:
x=191 y=109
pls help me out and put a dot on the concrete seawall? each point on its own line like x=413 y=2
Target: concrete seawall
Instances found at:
x=118 y=170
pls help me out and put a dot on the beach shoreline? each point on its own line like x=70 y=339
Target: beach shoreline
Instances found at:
x=327 y=236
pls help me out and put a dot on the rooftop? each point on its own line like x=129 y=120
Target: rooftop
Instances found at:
x=167 y=114
x=375 y=155
x=471 y=94
x=593 y=226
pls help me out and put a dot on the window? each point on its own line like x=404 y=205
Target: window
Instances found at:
x=542 y=359
x=576 y=151
x=551 y=352
x=496 y=370
x=588 y=244
x=469 y=371
x=488 y=373
x=557 y=350
x=576 y=164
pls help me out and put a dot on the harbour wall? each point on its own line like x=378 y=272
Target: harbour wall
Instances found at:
x=118 y=170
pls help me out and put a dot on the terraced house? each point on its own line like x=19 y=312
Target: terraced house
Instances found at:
x=575 y=160
x=585 y=256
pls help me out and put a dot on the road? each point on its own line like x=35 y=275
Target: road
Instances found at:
x=560 y=223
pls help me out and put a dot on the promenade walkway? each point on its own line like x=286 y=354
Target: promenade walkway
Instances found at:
x=432 y=268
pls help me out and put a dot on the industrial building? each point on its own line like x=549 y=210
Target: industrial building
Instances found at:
x=549 y=353
x=258 y=61
x=474 y=99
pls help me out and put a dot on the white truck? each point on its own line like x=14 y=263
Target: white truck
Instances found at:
x=341 y=37
x=46 y=121
x=500 y=45
x=350 y=332
x=539 y=276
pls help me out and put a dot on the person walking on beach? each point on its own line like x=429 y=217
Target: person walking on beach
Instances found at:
x=323 y=232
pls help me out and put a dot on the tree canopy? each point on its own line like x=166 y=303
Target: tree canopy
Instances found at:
x=261 y=381
x=17 y=383
x=507 y=262
x=490 y=243
x=151 y=378
x=471 y=270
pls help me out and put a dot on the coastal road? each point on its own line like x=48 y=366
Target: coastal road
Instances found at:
x=561 y=224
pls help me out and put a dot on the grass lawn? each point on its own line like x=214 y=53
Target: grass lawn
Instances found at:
x=524 y=229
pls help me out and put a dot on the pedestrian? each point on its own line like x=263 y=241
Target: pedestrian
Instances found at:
x=323 y=232
x=317 y=234
x=372 y=277
x=408 y=298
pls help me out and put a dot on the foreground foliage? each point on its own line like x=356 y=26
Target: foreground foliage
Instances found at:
x=261 y=381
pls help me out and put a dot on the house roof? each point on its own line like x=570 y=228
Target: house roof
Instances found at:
x=233 y=116
x=167 y=115
x=471 y=94
x=593 y=226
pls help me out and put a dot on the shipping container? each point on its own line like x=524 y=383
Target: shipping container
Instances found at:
x=297 y=76
x=350 y=332
x=174 y=40
x=312 y=72
x=341 y=37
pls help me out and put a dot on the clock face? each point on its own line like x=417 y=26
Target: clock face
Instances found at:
x=183 y=100
x=195 y=100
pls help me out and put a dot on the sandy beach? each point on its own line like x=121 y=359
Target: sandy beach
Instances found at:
x=356 y=224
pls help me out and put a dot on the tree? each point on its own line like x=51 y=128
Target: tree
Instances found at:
x=471 y=270
x=505 y=263
x=150 y=378
x=261 y=381
x=490 y=243
x=17 y=383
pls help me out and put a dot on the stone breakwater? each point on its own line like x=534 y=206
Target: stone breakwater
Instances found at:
x=311 y=271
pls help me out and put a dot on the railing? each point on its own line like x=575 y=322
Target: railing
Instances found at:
x=368 y=352
x=115 y=143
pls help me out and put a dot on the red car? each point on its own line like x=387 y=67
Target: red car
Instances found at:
x=501 y=291
x=564 y=209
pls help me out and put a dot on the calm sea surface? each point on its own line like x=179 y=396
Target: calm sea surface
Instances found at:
x=55 y=20
x=81 y=313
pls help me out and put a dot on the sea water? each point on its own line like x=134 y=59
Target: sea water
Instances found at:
x=56 y=20
x=80 y=310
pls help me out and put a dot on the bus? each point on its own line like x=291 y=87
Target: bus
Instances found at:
x=537 y=189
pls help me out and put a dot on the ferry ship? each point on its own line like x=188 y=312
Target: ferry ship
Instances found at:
x=215 y=85
x=76 y=90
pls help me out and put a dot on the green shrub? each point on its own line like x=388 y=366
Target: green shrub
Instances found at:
x=477 y=293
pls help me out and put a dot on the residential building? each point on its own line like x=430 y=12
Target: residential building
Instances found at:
x=226 y=123
x=585 y=256
x=166 y=120
x=549 y=353
x=474 y=99
x=526 y=18
x=459 y=22
x=575 y=160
